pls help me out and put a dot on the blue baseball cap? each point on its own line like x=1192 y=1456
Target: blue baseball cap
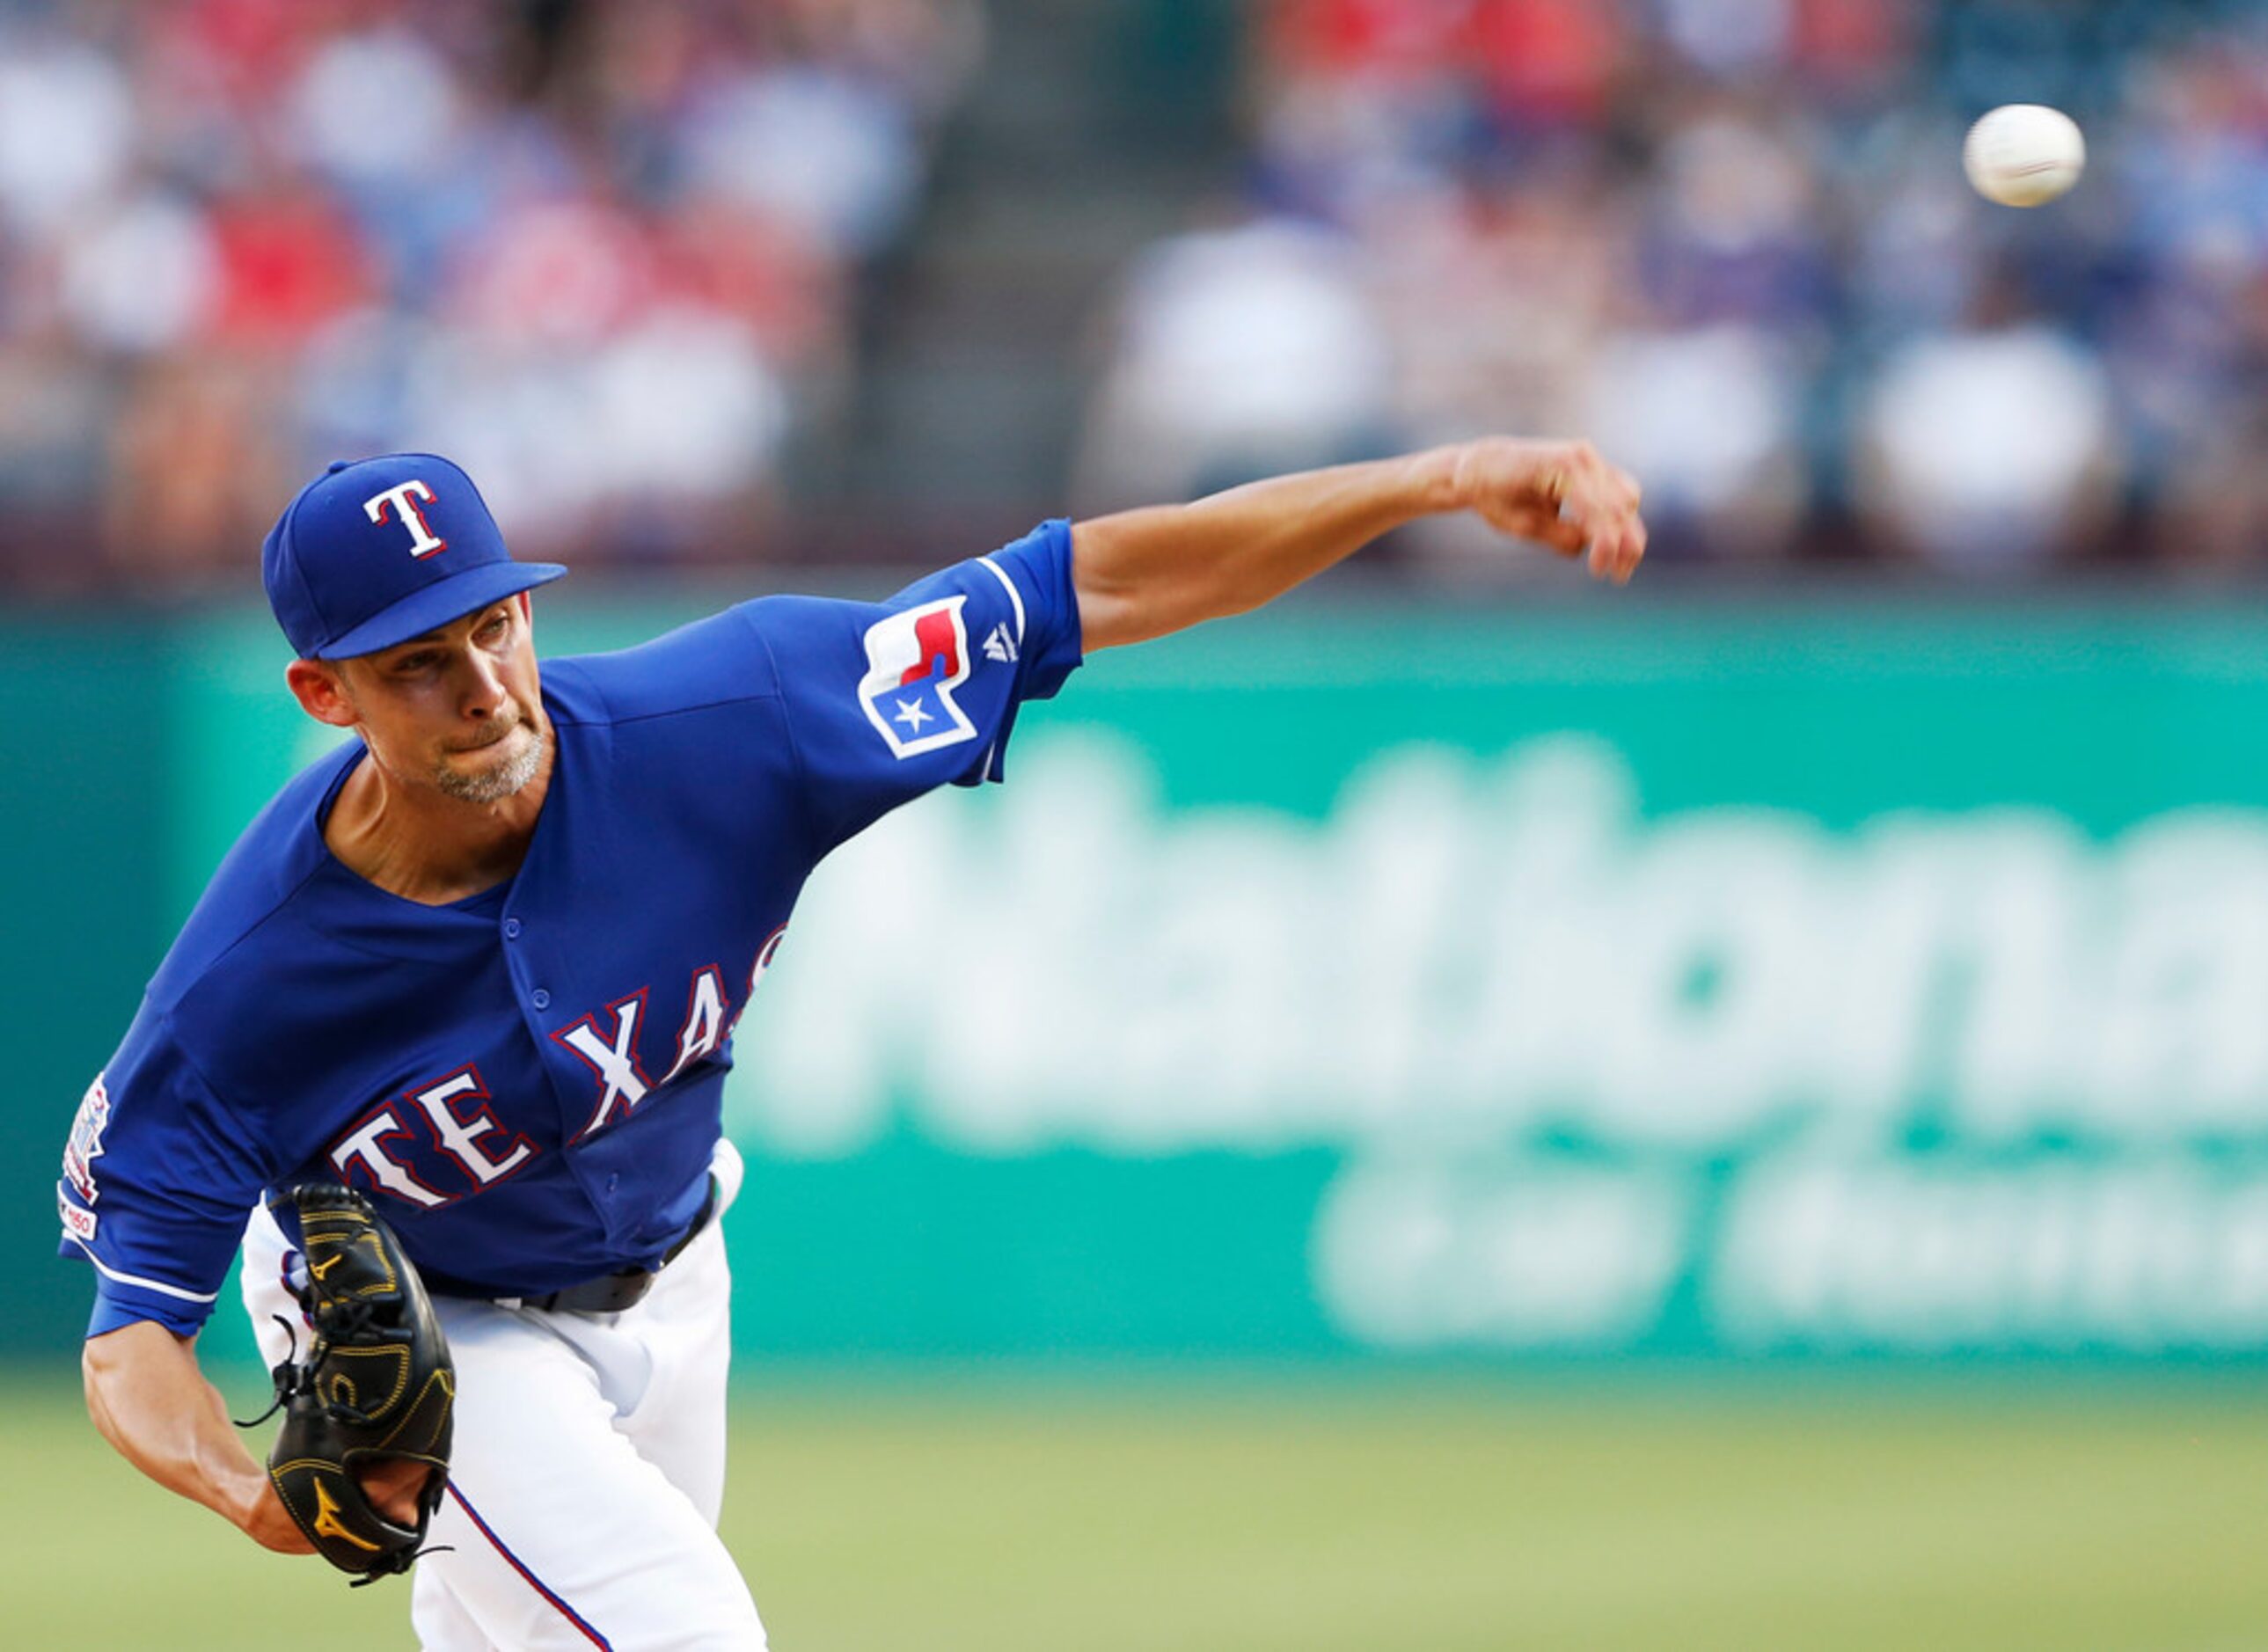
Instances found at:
x=377 y=551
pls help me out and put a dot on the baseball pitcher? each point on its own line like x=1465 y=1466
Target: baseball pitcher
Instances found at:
x=452 y=1020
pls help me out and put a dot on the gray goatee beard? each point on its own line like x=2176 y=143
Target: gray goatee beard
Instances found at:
x=494 y=785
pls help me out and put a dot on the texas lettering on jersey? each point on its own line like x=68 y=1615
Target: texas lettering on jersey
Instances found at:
x=440 y=1142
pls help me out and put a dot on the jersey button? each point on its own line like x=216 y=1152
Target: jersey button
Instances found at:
x=512 y=929
x=539 y=998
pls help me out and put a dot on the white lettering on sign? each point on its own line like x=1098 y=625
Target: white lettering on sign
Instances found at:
x=1464 y=947
x=1910 y=1254
x=1929 y=1080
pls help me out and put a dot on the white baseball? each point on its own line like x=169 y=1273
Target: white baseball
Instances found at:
x=2024 y=154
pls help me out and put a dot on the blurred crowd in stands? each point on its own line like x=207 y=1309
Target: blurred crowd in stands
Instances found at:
x=598 y=252
x=613 y=253
x=1731 y=239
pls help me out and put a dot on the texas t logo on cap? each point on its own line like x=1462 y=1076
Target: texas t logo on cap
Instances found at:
x=400 y=503
x=378 y=551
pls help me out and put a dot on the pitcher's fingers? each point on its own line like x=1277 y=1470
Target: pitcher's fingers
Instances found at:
x=1615 y=552
x=1563 y=533
x=1597 y=511
x=1632 y=550
x=1540 y=523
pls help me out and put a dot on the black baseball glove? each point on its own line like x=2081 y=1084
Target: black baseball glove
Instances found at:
x=376 y=1386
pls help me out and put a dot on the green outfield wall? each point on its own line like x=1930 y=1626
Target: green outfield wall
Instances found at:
x=1813 y=979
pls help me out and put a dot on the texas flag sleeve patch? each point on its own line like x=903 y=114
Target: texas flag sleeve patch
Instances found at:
x=916 y=658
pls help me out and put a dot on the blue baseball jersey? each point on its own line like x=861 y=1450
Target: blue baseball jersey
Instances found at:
x=529 y=1084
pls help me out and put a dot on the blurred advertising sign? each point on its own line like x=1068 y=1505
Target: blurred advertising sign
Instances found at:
x=1821 y=1063
x=1791 y=980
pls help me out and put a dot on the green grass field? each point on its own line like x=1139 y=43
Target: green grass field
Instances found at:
x=1224 y=1517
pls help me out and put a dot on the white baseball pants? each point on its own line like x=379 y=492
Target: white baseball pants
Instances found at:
x=588 y=1466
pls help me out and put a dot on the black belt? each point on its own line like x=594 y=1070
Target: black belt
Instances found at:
x=613 y=1293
